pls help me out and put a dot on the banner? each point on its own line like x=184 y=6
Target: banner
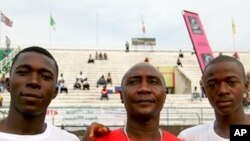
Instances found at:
x=144 y=41
x=198 y=37
x=6 y=20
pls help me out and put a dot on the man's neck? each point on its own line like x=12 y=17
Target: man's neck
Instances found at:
x=223 y=122
x=143 y=131
x=23 y=125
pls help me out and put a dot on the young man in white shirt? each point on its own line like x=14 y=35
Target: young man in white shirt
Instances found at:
x=32 y=86
x=224 y=82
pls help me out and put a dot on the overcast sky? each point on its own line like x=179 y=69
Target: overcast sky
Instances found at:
x=109 y=23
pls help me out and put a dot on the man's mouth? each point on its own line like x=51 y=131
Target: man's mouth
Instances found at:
x=31 y=95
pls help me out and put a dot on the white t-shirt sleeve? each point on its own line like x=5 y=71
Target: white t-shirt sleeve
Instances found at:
x=203 y=132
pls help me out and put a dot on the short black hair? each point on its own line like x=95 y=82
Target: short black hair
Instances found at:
x=225 y=58
x=36 y=49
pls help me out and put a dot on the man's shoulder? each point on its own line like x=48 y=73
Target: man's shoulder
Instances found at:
x=63 y=134
x=169 y=136
x=197 y=130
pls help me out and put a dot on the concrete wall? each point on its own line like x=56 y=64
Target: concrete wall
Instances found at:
x=182 y=83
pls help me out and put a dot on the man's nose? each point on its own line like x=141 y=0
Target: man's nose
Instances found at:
x=34 y=81
x=144 y=88
x=223 y=88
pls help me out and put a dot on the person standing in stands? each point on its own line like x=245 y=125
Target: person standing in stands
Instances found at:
x=181 y=54
x=109 y=79
x=178 y=62
x=127 y=46
x=144 y=94
x=7 y=41
x=225 y=83
x=32 y=86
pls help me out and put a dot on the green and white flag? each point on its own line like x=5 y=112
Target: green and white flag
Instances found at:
x=52 y=22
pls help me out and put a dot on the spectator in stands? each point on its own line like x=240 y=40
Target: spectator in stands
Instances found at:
x=236 y=55
x=179 y=62
x=61 y=78
x=146 y=59
x=100 y=56
x=7 y=41
x=85 y=84
x=2 y=83
x=224 y=82
x=91 y=60
x=143 y=90
x=96 y=55
x=203 y=95
x=105 y=56
x=181 y=54
x=196 y=94
x=77 y=84
x=59 y=81
x=101 y=81
x=127 y=46
x=63 y=87
x=31 y=85
x=220 y=53
x=109 y=79
x=81 y=77
x=246 y=99
x=104 y=93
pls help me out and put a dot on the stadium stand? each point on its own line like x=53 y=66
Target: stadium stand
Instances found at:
x=80 y=108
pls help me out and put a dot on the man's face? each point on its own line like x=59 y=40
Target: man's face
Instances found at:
x=224 y=85
x=143 y=91
x=32 y=83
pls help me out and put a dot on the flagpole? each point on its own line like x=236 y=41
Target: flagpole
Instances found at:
x=234 y=32
x=234 y=42
x=0 y=29
x=97 y=30
x=143 y=28
x=50 y=30
x=49 y=35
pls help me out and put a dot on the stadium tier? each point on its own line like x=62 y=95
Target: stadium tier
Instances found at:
x=81 y=107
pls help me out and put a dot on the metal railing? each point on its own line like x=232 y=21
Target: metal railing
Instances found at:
x=6 y=61
x=115 y=116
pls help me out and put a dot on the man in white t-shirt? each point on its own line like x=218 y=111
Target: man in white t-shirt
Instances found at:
x=32 y=86
x=81 y=77
x=224 y=83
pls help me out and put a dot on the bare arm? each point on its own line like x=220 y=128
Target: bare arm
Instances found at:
x=95 y=130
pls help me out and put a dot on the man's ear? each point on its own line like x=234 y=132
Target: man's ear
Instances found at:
x=7 y=84
x=121 y=96
x=55 y=92
x=246 y=85
x=203 y=90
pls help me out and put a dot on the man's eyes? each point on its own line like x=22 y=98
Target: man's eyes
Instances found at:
x=216 y=84
x=231 y=83
x=154 y=81
x=22 y=72
x=43 y=75
x=138 y=81
x=46 y=77
x=212 y=84
x=133 y=81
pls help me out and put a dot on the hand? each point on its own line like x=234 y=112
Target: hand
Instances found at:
x=95 y=130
